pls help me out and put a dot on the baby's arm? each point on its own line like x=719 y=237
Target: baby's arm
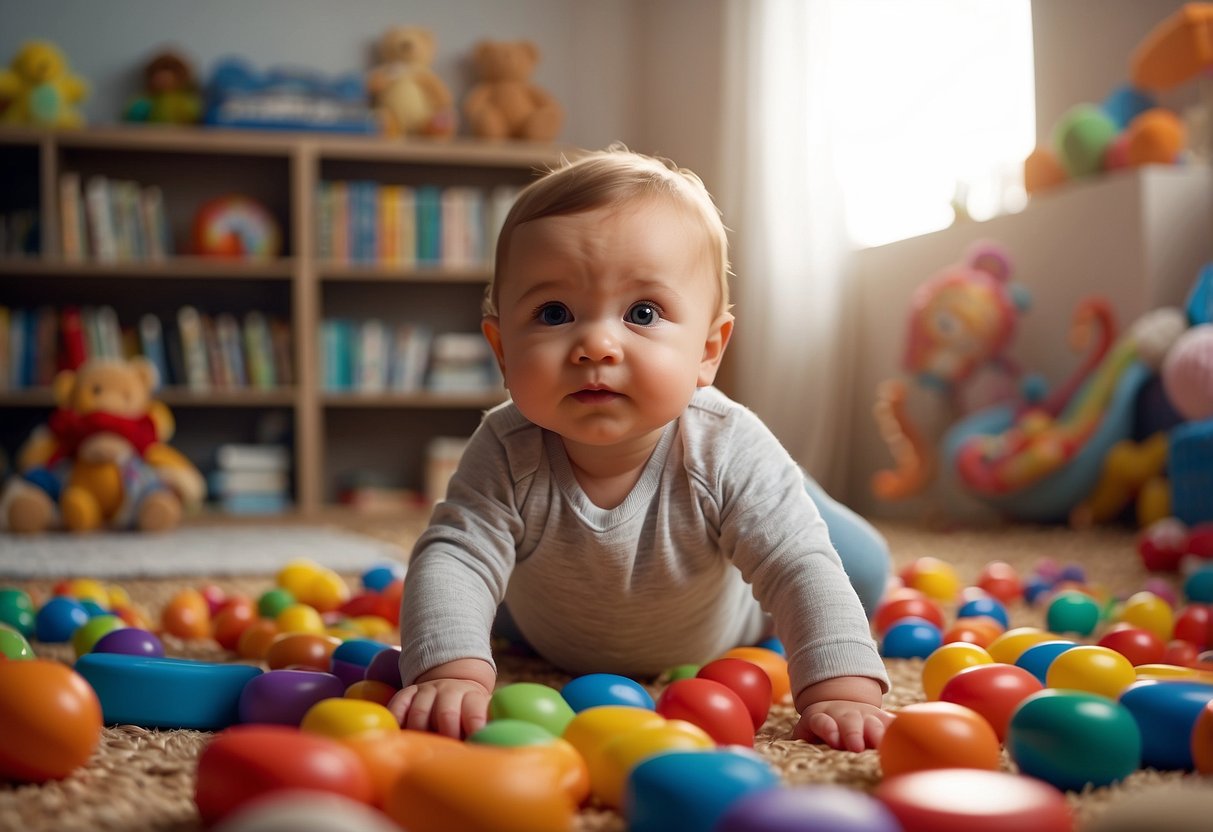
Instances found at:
x=843 y=712
x=450 y=699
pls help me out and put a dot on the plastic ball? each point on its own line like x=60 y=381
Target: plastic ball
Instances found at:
x=1155 y=137
x=591 y=729
x=532 y=702
x=963 y=800
x=1000 y=580
x=305 y=811
x=87 y=635
x=1202 y=740
x=309 y=651
x=299 y=618
x=1194 y=624
x=622 y=753
x=1072 y=612
x=50 y=720
x=808 y=808
x=1166 y=712
x=911 y=638
x=385 y=667
x=511 y=733
x=1161 y=545
x=232 y=619
x=980 y=631
x=13 y=645
x=605 y=689
x=691 y=789
x=1039 y=657
x=187 y=615
x=930 y=735
x=773 y=664
x=988 y=607
x=1081 y=138
x=1135 y=644
x=371 y=691
x=282 y=697
x=58 y=618
x=1008 y=646
x=352 y=657
x=747 y=680
x=946 y=662
x=273 y=601
x=992 y=690
x=1198 y=585
x=1148 y=611
x=681 y=671
x=339 y=718
x=382 y=574
x=1125 y=103
x=933 y=577
x=906 y=603
x=17 y=610
x=711 y=706
x=1072 y=738
x=1093 y=669
x=1042 y=171
x=256 y=639
x=1187 y=373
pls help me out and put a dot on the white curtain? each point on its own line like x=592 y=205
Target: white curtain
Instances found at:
x=793 y=355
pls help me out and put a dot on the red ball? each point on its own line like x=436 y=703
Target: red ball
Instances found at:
x=993 y=690
x=746 y=679
x=907 y=603
x=961 y=800
x=1135 y=644
x=1002 y=581
x=710 y=705
x=1194 y=624
x=1181 y=653
x=1200 y=541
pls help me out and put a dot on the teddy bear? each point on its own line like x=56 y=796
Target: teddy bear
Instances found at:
x=170 y=92
x=102 y=459
x=39 y=89
x=504 y=104
x=409 y=98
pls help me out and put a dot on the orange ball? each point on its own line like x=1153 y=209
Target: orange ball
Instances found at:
x=980 y=630
x=930 y=735
x=371 y=690
x=257 y=638
x=1155 y=136
x=1042 y=170
x=773 y=664
x=232 y=620
x=301 y=650
x=187 y=615
x=50 y=720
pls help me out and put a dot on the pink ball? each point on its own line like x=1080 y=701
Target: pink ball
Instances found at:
x=1187 y=373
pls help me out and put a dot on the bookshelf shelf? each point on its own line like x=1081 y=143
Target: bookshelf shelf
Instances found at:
x=334 y=437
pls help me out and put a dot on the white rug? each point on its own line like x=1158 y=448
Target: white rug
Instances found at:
x=240 y=550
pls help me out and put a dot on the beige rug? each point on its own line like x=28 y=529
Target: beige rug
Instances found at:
x=143 y=780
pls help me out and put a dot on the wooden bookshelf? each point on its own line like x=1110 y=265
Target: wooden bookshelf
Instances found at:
x=335 y=436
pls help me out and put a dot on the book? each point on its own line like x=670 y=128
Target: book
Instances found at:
x=71 y=328
x=429 y=225
x=410 y=357
x=372 y=370
x=151 y=345
x=280 y=343
x=258 y=351
x=46 y=341
x=193 y=349
x=460 y=362
x=157 y=236
x=108 y=332
x=231 y=349
x=71 y=218
x=224 y=481
x=235 y=456
x=219 y=372
x=102 y=241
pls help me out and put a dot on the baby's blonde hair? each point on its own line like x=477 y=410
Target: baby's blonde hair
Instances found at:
x=608 y=178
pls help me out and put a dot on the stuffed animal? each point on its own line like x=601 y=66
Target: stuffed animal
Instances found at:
x=170 y=92
x=409 y=98
x=102 y=459
x=504 y=104
x=40 y=90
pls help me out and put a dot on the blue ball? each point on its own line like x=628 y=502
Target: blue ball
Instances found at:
x=93 y=608
x=691 y=790
x=991 y=607
x=596 y=689
x=1125 y=103
x=1034 y=587
x=1198 y=586
x=911 y=638
x=58 y=619
x=1037 y=658
x=382 y=574
x=1166 y=712
x=773 y=644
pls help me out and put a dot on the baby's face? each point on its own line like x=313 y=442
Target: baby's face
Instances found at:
x=608 y=320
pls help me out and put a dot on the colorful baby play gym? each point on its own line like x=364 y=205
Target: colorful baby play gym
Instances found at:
x=674 y=416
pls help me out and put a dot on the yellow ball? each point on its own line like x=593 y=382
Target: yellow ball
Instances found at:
x=622 y=753
x=373 y=626
x=934 y=578
x=1093 y=669
x=591 y=729
x=947 y=661
x=341 y=717
x=1008 y=647
x=297 y=576
x=88 y=589
x=299 y=618
x=326 y=590
x=1149 y=612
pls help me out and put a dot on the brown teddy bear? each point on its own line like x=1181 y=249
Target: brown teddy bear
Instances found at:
x=104 y=452
x=409 y=98
x=504 y=104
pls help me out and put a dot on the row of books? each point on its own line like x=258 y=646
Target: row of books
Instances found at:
x=20 y=233
x=112 y=220
x=251 y=478
x=194 y=349
x=373 y=356
x=406 y=226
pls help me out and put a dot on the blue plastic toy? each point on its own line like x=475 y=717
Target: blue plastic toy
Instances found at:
x=596 y=689
x=691 y=790
x=1166 y=713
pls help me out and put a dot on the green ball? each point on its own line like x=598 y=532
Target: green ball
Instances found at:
x=1072 y=612
x=13 y=645
x=17 y=610
x=682 y=671
x=511 y=733
x=1082 y=138
x=274 y=601
x=534 y=703
x=88 y=634
x=1071 y=738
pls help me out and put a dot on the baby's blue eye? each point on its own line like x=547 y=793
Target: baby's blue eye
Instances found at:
x=642 y=314
x=553 y=314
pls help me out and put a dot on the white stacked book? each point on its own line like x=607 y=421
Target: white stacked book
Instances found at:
x=251 y=478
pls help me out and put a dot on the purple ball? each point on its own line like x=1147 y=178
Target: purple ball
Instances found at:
x=282 y=697
x=808 y=809
x=131 y=641
x=385 y=667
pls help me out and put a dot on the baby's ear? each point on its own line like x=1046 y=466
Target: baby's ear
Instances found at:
x=490 y=325
x=719 y=334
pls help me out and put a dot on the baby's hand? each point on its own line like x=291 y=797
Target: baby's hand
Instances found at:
x=843 y=724
x=446 y=706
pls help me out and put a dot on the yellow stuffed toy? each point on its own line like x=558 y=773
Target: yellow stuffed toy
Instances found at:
x=40 y=90
x=504 y=104
x=410 y=99
x=104 y=452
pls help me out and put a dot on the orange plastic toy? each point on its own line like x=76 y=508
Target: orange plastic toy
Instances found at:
x=930 y=735
x=50 y=720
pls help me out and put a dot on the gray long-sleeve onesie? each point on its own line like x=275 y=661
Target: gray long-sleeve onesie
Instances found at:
x=659 y=580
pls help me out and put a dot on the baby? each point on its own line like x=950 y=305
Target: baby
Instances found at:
x=629 y=515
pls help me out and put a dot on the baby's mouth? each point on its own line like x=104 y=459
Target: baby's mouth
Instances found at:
x=595 y=395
